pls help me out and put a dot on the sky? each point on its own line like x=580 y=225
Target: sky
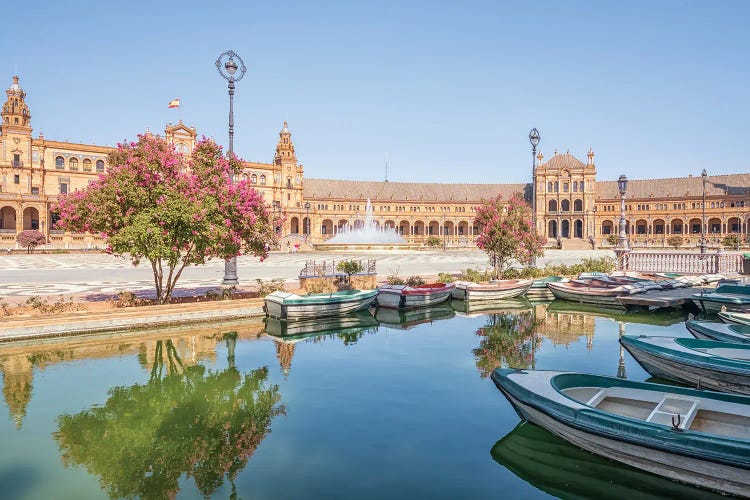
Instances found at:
x=447 y=91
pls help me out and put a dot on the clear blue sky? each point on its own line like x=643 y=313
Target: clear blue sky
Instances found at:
x=448 y=90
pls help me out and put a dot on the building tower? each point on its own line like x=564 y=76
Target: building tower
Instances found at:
x=291 y=181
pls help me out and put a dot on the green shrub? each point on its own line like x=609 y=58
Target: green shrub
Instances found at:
x=395 y=280
x=675 y=241
x=446 y=278
x=414 y=281
x=732 y=242
x=476 y=275
x=350 y=267
x=267 y=287
x=434 y=242
x=612 y=239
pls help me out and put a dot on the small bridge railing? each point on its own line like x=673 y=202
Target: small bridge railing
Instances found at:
x=691 y=263
x=322 y=268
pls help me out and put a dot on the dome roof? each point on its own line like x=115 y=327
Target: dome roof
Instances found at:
x=563 y=160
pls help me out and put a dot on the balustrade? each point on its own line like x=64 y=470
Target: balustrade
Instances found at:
x=328 y=268
x=691 y=263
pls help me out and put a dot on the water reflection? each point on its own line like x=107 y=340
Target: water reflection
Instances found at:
x=557 y=467
x=406 y=319
x=506 y=339
x=186 y=421
x=471 y=309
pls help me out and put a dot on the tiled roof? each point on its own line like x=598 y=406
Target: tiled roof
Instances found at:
x=407 y=191
x=563 y=160
x=676 y=187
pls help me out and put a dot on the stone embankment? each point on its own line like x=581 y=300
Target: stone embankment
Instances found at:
x=132 y=318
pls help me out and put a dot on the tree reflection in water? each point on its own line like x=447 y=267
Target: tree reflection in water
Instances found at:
x=188 y=421
x=506 y=340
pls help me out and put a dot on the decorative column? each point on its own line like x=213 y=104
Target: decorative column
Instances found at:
x=622 y=242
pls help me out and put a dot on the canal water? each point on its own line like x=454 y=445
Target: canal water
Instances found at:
x=399 y=405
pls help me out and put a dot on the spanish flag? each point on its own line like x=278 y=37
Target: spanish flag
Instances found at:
x=174 y=103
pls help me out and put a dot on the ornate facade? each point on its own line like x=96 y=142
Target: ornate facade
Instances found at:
x=572 y=208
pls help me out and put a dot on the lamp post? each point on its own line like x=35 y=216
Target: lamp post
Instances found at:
x=442 y=228
x=232 y=72
x=307 y=220
x=622 y=240
x=534 y=139
x=704 y=174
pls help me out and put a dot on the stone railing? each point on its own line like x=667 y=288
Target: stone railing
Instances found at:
x=690 y=263
x=315 y=268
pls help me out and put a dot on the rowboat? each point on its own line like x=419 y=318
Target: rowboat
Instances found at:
x=492 y=290
x=687 y=279
x=406 y=297
x=290 y=306
x=697 y=437
x=589 y=292
x=633 y=288
x=723 y=332
x=708 y=364
x=724 y=298
x=562 y=470
x=539 y=289
x=405 y=319
x=307 y=328
x=735 y=318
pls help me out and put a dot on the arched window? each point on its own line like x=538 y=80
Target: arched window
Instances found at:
x=253 y=179
x=557 y=186
x=565 y=205
x=99 y=166
x=553 y=205
x=262 y=180
x=87 y=165
x=289 y=182
x=549 y=187
x=575 y=186
x=60 y=163
x=578 y=205
x=73 y=163
x=245 y=177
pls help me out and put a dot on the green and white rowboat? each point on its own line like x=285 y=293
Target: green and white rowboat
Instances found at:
x=290 y=306
x=706 y=364
x=723 y=332
x=735 y=318
x=724 y=298
x=697 y=437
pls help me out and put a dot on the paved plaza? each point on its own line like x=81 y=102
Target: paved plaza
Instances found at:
x=82 y=274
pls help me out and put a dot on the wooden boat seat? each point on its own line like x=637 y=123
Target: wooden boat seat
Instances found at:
x=670 y=407
x=725 y=424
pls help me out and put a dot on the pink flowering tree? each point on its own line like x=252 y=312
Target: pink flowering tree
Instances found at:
x=506 y=232
x=172 y=210
x=30 y=239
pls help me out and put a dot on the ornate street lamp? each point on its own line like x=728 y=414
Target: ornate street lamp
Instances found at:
x=232 y=72
x=622 y=240
x=443 y=227
x=534 y=139
x=704 y=174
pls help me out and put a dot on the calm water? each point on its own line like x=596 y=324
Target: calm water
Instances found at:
x=398 y=406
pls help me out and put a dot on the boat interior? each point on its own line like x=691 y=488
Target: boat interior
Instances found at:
x=711 y=416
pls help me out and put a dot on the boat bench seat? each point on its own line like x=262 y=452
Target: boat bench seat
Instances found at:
x=672 y=408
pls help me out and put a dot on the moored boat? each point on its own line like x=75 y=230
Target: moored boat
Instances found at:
x=697 y=437
x=290 y=306
x=491 y=290
x=406 y=297
x=306 y=328
x=539 y=289
x=707 y=364
x=724 y=298
x=734 y=317
x=723 y=332
x=473 y=308
x=589 y=292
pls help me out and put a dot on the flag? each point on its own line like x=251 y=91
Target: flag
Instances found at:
x=174 y=103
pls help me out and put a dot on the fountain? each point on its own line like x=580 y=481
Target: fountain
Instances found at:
x=371 y=236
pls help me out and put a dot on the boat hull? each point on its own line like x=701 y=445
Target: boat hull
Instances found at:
x=735 y=318
x=723 y=332
x=318 y=306
x=588 y=298
x=712 y=475
x=701 y=372
x=489 y=291
x=399 y=297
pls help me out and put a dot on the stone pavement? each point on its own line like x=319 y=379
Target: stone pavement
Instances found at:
x=24 y=275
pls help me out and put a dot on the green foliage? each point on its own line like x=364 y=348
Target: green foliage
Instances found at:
x=350 y=267
x=128 y=299
x=675 y=241
x=524 y=273
x=414 y=281
x=395 y=280
x=434 y=242
x=268 y=287
x=612 y=239
x=446 y=278
x=600 y=264
x=43 y=306
x=193 y=423
x=732 y=242
x=507 y=340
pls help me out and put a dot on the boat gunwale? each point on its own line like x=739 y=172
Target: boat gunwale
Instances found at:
x=594 y=421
